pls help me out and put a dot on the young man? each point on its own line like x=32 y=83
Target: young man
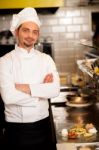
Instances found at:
x=28 y=78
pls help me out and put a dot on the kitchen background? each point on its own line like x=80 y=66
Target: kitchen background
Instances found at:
x=64 y=29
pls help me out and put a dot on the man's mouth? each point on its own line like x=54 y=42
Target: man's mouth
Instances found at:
x=30 y=40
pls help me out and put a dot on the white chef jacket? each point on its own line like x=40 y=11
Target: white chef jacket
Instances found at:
x=19 y=66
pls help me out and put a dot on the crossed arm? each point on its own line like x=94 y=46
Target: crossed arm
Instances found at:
x=25 y=87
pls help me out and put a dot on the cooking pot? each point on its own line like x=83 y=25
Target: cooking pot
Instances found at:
x=81 y=99
x=78 y=99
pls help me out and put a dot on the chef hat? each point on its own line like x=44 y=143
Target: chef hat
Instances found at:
x=27 y=14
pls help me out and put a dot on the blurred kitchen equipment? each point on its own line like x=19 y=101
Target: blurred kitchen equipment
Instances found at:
x=6 y=37
x=7 y=42
x=77 y=80
x=76 y=114
x=82 y=98
x=94 y=52
x=65 y=78
x=45 y=45
x=77 y=99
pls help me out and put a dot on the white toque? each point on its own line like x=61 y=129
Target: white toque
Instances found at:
x=27 y=14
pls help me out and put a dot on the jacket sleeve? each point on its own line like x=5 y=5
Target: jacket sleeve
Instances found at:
x=47 y=90
x=7 y=86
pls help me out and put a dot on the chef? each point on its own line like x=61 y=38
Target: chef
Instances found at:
x=28 y=78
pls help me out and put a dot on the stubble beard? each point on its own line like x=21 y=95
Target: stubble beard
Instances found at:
x=27 y=45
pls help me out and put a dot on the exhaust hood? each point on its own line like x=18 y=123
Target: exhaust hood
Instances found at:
x=43 y=11
x=42 y=6
x=6 y=4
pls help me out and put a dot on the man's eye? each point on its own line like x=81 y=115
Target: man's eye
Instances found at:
x=25 y=30
x=35 y=32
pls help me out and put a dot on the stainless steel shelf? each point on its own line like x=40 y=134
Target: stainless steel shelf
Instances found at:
x=91 y=55
x=85 y=66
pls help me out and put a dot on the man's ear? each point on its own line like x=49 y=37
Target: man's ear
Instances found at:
x=16 y=32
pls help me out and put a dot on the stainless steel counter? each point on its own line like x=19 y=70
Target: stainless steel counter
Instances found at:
x=65 y=117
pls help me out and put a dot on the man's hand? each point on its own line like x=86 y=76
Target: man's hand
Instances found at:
x=23 y=88
x=48 y=78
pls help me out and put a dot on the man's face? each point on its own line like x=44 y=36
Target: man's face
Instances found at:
x=27 y=35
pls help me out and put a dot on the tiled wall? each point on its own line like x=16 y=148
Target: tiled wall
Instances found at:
x=66 y=27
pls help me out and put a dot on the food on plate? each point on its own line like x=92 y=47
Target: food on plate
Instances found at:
x=87 y=134
x=79 y=130
x=72 y=135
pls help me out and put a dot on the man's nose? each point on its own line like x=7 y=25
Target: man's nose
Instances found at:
x=30 y=34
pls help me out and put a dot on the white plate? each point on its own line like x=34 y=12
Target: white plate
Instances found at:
x=78 y=105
